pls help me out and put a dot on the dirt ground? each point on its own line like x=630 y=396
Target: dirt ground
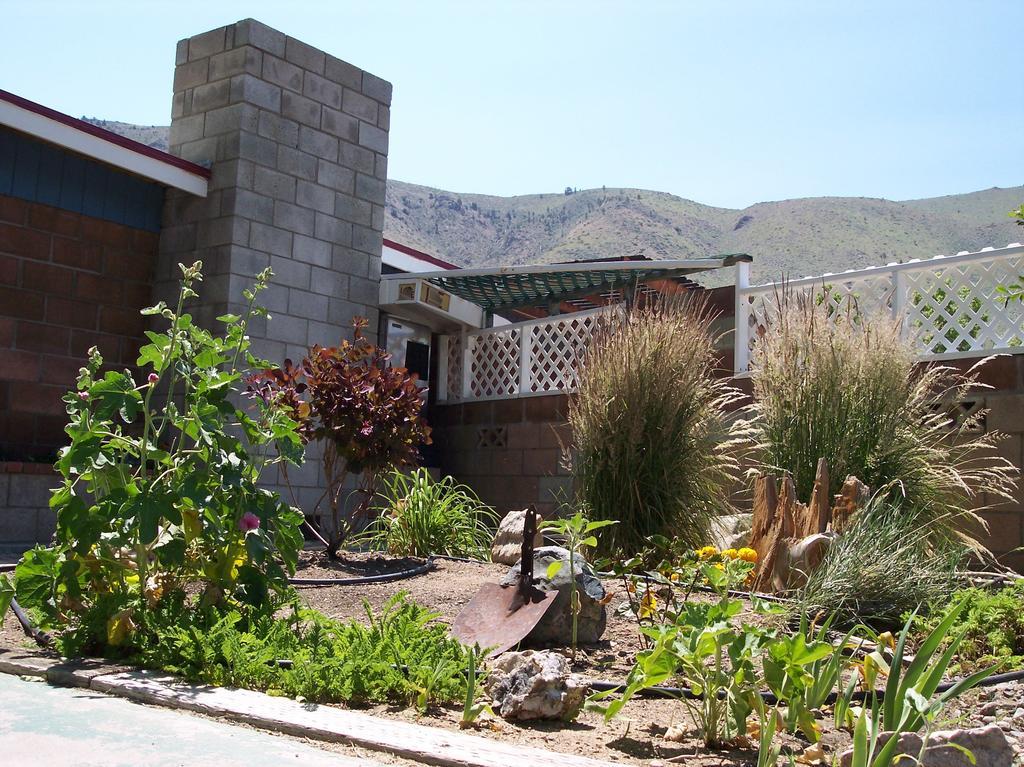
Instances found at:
x=637 y=736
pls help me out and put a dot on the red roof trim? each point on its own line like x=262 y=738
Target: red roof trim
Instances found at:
x=104 y=134
x=419 y=254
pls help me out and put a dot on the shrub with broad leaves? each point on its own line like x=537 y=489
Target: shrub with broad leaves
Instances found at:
x=367 y=413
x=159 y=493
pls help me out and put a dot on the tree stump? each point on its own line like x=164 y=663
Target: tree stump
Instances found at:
x=791 y=538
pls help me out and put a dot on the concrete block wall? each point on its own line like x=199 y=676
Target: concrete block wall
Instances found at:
x=25 y=515
x=508 y=451
x=297 y=143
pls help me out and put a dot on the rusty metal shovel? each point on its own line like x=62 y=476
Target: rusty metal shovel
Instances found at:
x=500 y=617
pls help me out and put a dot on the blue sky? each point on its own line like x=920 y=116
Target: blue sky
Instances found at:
x=726 y=103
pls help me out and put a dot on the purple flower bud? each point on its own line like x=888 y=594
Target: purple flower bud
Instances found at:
x=248 y=522
x=153 y=378
x=83 y=395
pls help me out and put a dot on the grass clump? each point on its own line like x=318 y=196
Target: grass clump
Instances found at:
x=421 y=516
x=402 y=656
x=993 y=624
x=881 y=568
x=652 y=446
x=848 y=387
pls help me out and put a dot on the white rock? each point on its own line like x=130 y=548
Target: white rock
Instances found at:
x=988 y=745
x=507 y=546
x=535 y=685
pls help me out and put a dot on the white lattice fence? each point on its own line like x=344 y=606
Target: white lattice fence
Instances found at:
x=555 y=351
x=527 y=358
x=494 y=364
x=950 y=306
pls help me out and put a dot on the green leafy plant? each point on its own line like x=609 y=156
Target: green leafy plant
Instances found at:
x=577 y=531
x=993 y=626
x=367 y=413
x=849 y=388
x=420 y=516
x=911 y=702
x=924 y=674
x=471 y=709
x=159 y=488
x=652 y=446
x=714 y=657
x=399 y=655
x=659 y=580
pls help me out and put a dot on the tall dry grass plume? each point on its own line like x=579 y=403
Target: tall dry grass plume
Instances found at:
x=652 y=446
x=848 y=387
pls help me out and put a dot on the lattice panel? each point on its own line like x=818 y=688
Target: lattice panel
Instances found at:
x=556 y=349
x=494 y=366
x=454 y=365
x=866 y=294
x=956 y=308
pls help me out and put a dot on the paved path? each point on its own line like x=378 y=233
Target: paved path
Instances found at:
x=49 y=726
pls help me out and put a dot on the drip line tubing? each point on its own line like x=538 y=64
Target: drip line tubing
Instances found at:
x=365 y=579
x=665 y=691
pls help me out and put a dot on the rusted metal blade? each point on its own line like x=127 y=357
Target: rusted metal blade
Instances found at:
x=499 y=618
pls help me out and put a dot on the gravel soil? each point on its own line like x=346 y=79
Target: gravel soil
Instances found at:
x=638 y=735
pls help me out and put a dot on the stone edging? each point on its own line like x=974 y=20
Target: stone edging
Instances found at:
x=421 y=743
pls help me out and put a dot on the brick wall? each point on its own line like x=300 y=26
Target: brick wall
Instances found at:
x=67 y=282
x=508 y=451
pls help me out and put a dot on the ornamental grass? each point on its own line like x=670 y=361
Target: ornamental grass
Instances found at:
x=652 y=445
x=847 y=386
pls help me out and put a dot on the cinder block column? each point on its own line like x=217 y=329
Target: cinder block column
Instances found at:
x=297 y=142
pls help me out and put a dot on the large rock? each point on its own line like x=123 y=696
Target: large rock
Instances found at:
x=987 y=744
x=556 y=625
x=534 y=685
x=508 y=541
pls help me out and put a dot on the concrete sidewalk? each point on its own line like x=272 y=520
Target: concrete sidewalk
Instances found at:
x=49 y=726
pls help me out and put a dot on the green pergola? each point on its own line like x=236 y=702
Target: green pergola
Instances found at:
x=516 y=287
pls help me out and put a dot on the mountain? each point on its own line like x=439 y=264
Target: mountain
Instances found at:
x=800 y=237
x=792 y=237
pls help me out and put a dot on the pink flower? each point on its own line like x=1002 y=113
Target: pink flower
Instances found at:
x=248 y=522
x=83 y=395
x=153 y=378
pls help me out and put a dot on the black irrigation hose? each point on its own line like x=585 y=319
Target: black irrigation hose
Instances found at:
x=664 y=691
x=41 y=637
x=364 y=579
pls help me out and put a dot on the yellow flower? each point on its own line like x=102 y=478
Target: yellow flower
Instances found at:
x=706 y=552
x=648 y=605
x=747 y=554
x=730 y=554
